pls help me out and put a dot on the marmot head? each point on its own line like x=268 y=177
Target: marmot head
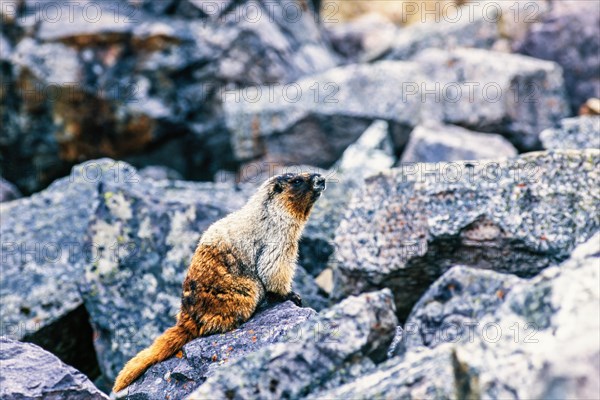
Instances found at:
x=296 y=192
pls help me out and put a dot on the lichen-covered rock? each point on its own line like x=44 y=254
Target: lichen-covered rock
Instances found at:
x=573 y=133
x=409 y=225
x=453 y=305
x=336 y=340
x=126 y=78
x=43 y=254
x=142 y=236
x=489 y=91
x=420 y=375
x=371 y=153
x=568 y=35
x=436 y=142
x=543 y=342
x=8 y=191
x=179 y=376
x=29 y=372
x=320 y=115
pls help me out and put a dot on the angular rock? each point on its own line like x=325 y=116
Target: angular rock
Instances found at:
x=362 y=39
x=338 y=338
x=461 y=28
x=573 y=133
x=542 y=342
x=420 y=375
x=454 y=304
x=8 y=191
x=320 y=115
x=158 y=173
x=312 y=295
x=142 y=236
x=29 y=372
x=408 y=226
x=568 y=35
x=488 y=91
x=435 y=142
x=141 y=80
x=371 y=153
x=179 y=376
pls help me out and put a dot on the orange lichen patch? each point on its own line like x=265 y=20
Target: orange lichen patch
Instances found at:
x=179 y=354
x=500 y=294
x=254 y=339
x=215 y=358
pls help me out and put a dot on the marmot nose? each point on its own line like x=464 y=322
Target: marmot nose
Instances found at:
x=318 y=182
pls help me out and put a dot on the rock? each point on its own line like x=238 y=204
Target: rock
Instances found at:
x=539 y=343
x=454 y=304
x=29 y=372
x=320 y=115
x=543 y=328
x=43 y=255
x=421 y=375
x=142 y=236
x=371 y=153
x=8 y=191
x=203 y=357
x=137 y=80
x=573 y=133
x=312 y=295
x=362 y=39
x=568 y=35
x=590 y=107
x=462 y=28
x=434 y=143
x=407 y=226
x=158 y=173
x=488 y=91
x=336 y=340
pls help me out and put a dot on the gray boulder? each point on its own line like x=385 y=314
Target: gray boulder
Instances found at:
x=320 y=115
x=372 y=153
x=29 y=372
x=489 y=91
x=43 y=254
x=179 y=376
x=328 y=345
x=8 y=191
x=460 y=28
x=454 y=304
x=436 y=142
x=407 y=226
x=573 y=133
x=542 y=342
x=568 y=35
x=141 y=80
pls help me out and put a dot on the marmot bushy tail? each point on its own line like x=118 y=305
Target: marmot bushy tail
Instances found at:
x=240 y=260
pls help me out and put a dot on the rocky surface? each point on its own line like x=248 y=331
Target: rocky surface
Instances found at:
x=8 y=191
x=436 y=142
x=179 y=376
x=139 y=79
x=326 y=350
x=568 y=35
x=573 y=133
x=542 y=327
x=407 y=226
x=322 y=114
x=29 y=372
x=490 y=91
x=453 y=306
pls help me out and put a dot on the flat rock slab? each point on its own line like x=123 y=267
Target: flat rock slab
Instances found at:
x=573 y=133
x=29 y=372
x=407 y=226
x=179 y=376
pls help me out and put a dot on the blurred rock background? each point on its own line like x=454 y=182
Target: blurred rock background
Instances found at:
x=460 y=140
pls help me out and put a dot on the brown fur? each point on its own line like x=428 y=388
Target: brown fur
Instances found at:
x=239 y=260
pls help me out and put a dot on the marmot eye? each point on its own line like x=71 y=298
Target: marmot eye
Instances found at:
x=297 y=181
